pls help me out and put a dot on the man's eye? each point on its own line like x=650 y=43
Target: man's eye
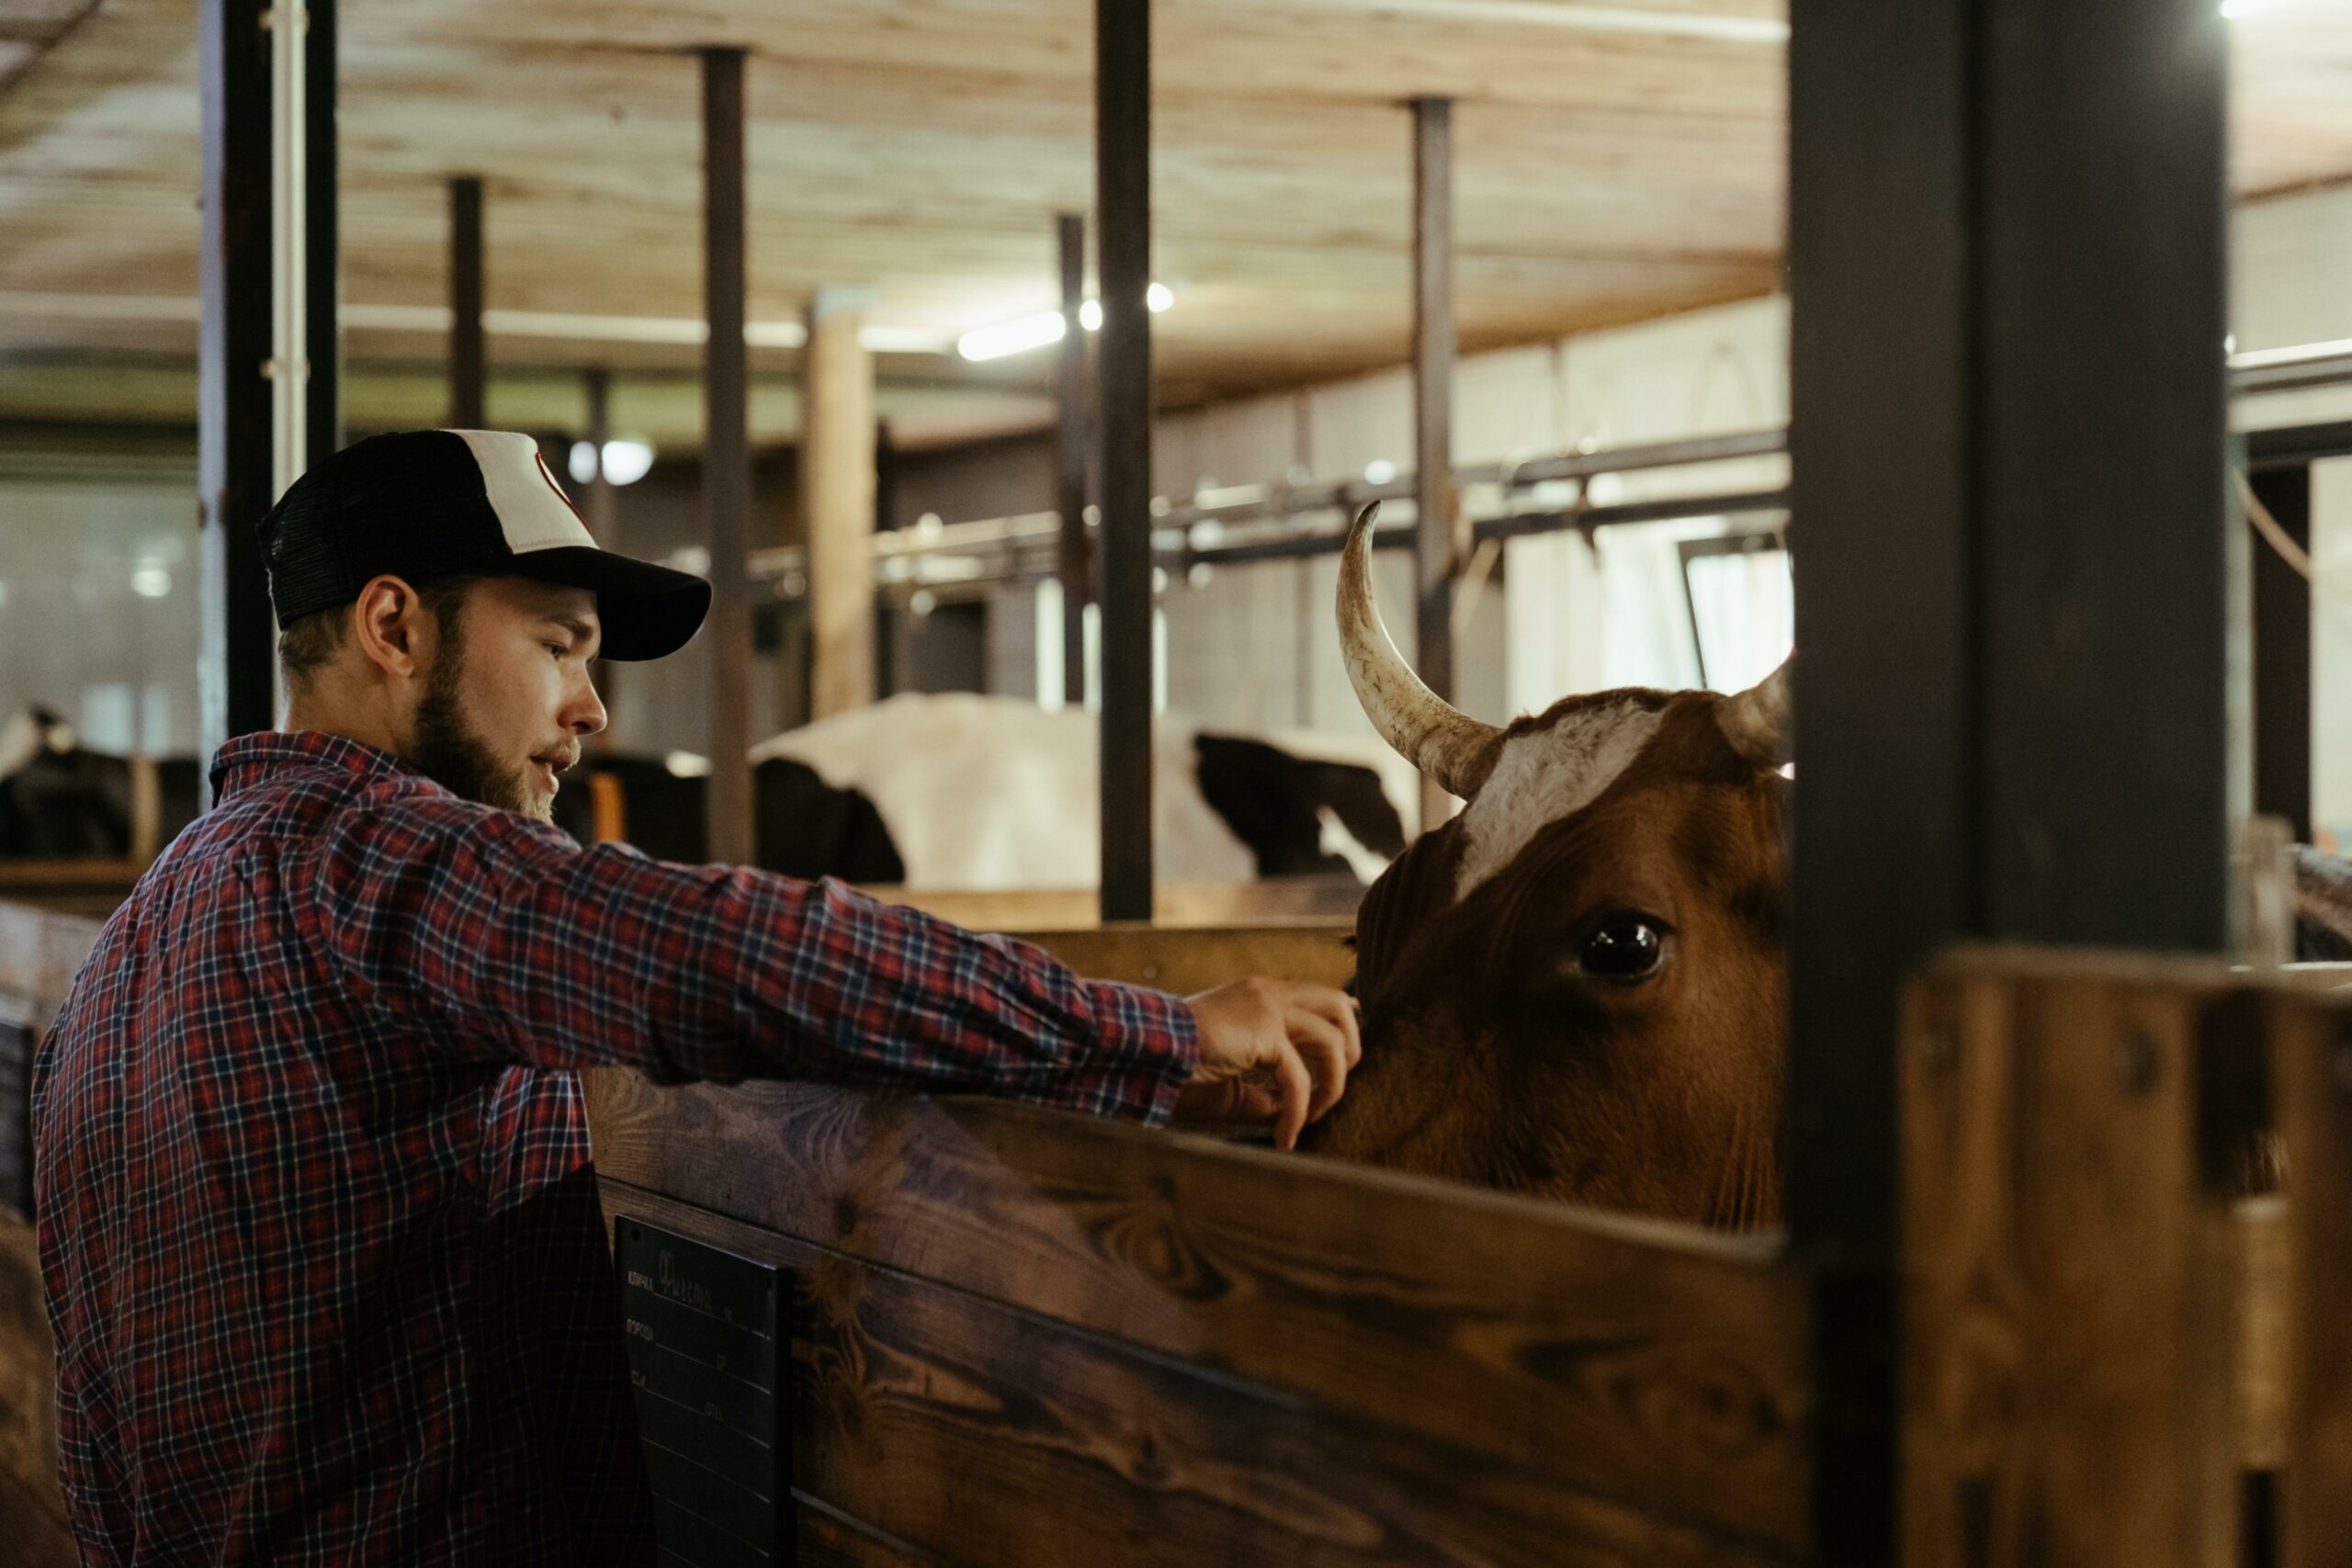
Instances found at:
x=554 y=648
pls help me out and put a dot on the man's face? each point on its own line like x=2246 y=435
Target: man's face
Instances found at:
x=507 y=698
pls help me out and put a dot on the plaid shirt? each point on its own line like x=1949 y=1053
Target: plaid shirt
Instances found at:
x=317 y=1223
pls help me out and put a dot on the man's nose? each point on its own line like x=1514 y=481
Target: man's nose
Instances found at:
x=586 y=712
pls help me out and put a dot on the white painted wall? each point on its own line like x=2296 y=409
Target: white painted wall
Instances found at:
x=2293 y=285
x=1255 y=647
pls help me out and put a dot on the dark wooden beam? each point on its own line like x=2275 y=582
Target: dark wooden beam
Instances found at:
x=1123 y=227
x=2013 y=710
x=1440 y=545
x=2282 y=656
x=726 y=457
x=1072 y=398
x=468 y=361
x=236 y=680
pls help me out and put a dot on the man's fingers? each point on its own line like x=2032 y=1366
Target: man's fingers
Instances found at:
x=1298 y=1091
x=1325 y=1047
x=1338 y=1009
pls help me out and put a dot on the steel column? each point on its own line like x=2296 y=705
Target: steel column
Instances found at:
x=2282 y=656
x=467 y=360
x=2013 y=695
x=1122 y=224
x=323 y=292
x=726 y=457
x=1076 y=566
x=1441 y=547
x=236 y=661
x=596 y=387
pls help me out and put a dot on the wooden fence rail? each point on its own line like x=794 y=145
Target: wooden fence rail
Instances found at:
x=1025 y=1337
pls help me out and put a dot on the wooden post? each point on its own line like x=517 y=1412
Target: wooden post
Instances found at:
x=837 y=489
x=725 y=456
x=1440 y=541
x=1123 y=222
x=2282 y=655
x=236 y=663
x=468 y=359
x=1995 y=720
x=1075 y=560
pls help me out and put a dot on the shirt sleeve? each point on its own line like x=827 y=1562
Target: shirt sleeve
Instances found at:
x=498 y=937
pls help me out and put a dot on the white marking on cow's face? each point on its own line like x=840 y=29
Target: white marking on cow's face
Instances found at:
x=1543 y=777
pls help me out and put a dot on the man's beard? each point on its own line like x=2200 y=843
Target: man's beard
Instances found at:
x=448 y=750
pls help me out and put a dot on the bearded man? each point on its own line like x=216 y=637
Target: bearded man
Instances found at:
x=318 y=1225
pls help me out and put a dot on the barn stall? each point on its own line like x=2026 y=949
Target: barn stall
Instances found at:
x=2024 y=1274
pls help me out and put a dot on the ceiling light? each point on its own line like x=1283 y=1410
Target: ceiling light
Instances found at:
x=1026 y=332
x=1379 y=471
x=626 y=462
x=1579 y=18
x=1011 y=337
x=148 y=580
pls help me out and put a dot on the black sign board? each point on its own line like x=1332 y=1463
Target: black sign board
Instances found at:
x=708 y=1362
x=17 y=1039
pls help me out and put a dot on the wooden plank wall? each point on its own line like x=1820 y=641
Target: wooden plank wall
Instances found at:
x=1026 y=1338
x=40 y=949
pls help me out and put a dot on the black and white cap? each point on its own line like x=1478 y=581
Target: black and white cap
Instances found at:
x=427 y=503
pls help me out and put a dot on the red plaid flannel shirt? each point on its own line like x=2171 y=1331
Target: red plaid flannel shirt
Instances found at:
x=317 y=1223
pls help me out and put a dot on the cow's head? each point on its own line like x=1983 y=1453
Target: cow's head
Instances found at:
x=1577 y=988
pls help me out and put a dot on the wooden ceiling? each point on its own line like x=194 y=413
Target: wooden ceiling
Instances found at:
x=1614 y=161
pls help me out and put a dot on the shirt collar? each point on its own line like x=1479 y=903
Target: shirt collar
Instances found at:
x=242 y=762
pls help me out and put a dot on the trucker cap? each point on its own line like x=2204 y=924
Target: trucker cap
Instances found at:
x=429 y=503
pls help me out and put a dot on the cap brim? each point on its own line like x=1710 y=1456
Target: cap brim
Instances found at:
x=646 y=610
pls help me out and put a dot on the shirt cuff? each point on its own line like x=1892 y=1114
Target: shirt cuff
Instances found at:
x=1146 y=1049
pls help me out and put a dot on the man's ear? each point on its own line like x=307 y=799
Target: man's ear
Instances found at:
x=393 y=628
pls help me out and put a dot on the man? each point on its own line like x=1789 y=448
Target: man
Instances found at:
x=317 y=1220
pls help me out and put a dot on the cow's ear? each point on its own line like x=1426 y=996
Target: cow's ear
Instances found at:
x=1416 y=889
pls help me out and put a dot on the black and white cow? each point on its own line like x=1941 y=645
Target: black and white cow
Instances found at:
x=965 y=793
x=60 y=801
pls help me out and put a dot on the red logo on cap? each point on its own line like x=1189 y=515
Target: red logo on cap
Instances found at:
x=541 y=460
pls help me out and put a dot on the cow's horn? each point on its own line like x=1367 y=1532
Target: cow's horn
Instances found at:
x=1755 y=721
x=1449 y=746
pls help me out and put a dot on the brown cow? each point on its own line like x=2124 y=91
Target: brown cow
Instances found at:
x=1577 y=989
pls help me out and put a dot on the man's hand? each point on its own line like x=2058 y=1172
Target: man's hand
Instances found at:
x=1273 y=1051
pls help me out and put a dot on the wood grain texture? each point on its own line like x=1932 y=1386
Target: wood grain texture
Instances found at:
x=2315 y=1075
x=921 y=147
x=1297 y=901
x=830 y=1539
x=1189 y=961
x=1656 y=1366
x=2071 y=1358
x=988 y=1435
x=39 y=950
x=33 y=1532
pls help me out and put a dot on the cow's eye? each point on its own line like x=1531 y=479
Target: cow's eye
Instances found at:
x=1624 y=947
